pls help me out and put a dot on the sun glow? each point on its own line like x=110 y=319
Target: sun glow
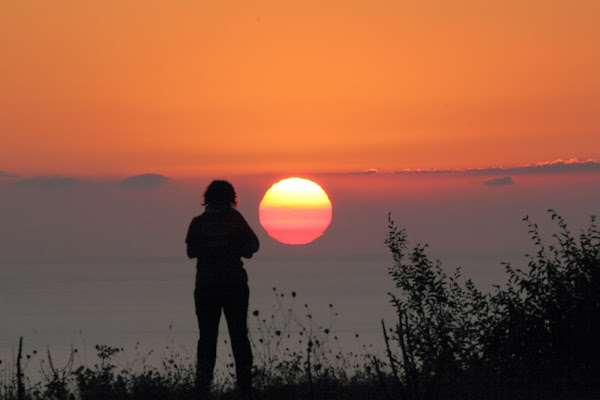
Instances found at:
x=295 y=211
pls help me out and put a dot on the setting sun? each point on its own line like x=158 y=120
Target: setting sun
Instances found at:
x=295 y=211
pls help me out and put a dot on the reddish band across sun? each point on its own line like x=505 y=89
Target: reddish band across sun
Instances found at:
x=295 y=211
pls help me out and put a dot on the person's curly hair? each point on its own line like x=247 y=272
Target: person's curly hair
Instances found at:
x=220 y=193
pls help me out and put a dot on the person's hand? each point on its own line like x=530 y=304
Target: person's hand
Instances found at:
x=247 y=251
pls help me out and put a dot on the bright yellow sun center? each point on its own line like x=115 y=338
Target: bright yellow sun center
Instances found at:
x=295 y=211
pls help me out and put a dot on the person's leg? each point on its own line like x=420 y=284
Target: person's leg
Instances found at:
x=208 y=312
x=236 y=312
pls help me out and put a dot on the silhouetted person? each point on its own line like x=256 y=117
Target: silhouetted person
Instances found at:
x=219 y=238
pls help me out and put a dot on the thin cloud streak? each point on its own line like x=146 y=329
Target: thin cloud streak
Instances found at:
x=370 y=171
x=551 y=167
x=507 y=180
x=144 y=181
x=47 y=182
x=4 y=174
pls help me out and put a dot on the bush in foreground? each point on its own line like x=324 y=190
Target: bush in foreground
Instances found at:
x=537 y=336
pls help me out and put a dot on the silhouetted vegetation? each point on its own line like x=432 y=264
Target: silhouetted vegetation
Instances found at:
x=533 y=337
x=294 y=358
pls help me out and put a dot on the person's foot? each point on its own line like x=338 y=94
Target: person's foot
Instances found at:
x=244 y=394
x=204 y=394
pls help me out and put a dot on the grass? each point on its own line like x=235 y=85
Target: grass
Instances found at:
x=294 y=358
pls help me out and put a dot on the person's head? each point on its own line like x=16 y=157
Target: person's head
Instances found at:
x=220 y=193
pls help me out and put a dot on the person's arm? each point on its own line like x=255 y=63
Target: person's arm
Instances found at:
x=250 y=243
x=193 y=251
x=192 y=240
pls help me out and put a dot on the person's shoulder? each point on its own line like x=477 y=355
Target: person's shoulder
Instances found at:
x=236 y=214
x=197 y=219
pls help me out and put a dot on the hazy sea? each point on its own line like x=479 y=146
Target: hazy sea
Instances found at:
x=120 y=304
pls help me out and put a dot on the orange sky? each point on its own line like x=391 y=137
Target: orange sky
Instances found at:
x=184 y=87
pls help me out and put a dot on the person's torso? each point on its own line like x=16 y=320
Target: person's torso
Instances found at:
x=218 y=234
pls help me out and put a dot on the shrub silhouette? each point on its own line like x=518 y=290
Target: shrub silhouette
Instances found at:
x=536 y=336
